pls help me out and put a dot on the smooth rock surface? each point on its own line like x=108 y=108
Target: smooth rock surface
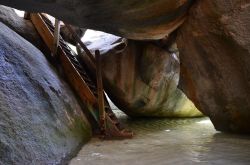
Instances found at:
x=41 y=121
x=141 y=78
x=23 y=27
x=134 y=19
x=214 y=47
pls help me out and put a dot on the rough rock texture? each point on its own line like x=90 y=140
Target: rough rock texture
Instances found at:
x=41 y=121
x=134 y=19
x=214 y=49
x=141 y=78
x=214 y=44
x=21 y=26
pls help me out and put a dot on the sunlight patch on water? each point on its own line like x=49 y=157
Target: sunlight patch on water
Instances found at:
x=206 y=121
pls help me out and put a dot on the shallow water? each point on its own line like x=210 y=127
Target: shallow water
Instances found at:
x=168 y=141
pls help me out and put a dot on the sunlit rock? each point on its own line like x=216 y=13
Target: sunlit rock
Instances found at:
x=41 y=121
x=214 y=49
x=141 y=78
x=134 y=19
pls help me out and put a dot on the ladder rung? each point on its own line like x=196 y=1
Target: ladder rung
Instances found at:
x=115 y=129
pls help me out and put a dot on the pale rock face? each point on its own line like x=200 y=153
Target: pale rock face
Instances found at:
x=41 y=121
x=214 y=47
x=134 y=19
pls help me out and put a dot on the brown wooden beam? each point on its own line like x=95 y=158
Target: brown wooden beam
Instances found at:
x=102 y=116
x=56 y=38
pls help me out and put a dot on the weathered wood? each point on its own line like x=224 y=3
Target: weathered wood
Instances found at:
x=78 y=40
x=76 y=80
x=108 y=123
x=71 y=73
x=26 y=15
x=102 y=116
x=42 y=29
x=56 y=37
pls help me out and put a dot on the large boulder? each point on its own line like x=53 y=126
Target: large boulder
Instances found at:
x=214 y=47
x=134 y=19
x=23 y=27
x=140 y=77
x=41 y=121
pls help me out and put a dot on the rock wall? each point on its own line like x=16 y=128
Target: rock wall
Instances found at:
x=134 y=19
x=214 y=47
x=41 y=121
x=23 y=27
x=141 y=78
x=214 y=44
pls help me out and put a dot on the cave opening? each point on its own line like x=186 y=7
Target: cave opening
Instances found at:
x=140 y=73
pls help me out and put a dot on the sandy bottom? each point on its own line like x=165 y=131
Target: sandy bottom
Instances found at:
x=167 y=142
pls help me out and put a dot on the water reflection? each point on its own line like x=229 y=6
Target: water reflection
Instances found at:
x=168 y=141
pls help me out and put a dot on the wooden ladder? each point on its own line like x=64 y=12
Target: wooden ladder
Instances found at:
x=89 y=91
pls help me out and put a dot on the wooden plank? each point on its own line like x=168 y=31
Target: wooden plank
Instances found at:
x=107 y=125
x=43 y=30
x=102 y=116
x=56 y=37
x=26 y=15
x=76 y=80
x=79 y=41
x=73 y=76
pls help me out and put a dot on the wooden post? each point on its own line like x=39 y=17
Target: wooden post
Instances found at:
x=78 y=40
x=56 y=37
x=102 y=117
x=26 y=15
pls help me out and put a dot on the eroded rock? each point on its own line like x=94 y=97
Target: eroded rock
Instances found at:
x=134 y=19
x=41 y=121
x=214 y=49
x=141 y=78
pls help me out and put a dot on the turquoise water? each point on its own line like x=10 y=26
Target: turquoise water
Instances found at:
x=168 y=141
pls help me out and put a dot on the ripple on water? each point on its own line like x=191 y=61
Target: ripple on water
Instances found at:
x=168 y=141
